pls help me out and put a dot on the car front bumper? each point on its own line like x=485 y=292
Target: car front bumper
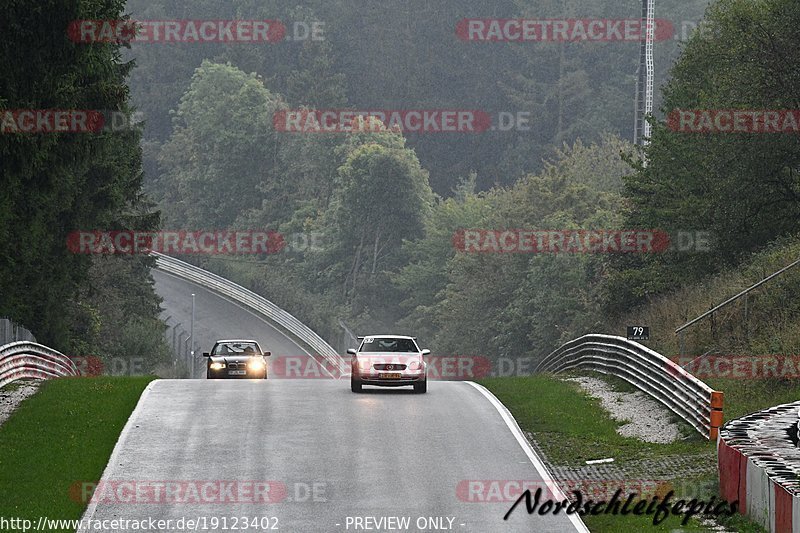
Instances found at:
x=377 y=378
x=228 y=374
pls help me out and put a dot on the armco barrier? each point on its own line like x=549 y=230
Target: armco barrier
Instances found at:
x=759 y=466
x=668 y=383
x=247 y=298
x=23 y=359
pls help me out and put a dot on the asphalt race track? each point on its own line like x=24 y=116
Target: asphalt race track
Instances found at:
x=382 y=453
x=217 y=318
x=308 y=455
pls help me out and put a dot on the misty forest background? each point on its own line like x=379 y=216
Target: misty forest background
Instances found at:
x=386 y=205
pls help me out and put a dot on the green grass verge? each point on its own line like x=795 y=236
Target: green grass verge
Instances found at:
x=572 y=427
x=745 y=396
x=561 y=416
x=63 y=434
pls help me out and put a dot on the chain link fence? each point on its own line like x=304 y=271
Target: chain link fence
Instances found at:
x=179 y=341
x=12 y=332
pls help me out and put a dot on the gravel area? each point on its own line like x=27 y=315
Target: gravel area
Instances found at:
x=645 y=418
x=13 y=394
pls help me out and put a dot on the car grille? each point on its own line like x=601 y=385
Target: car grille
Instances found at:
x=389 y=367
x=237 y=366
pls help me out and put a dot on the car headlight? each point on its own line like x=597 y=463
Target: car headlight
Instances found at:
x=256 y=364
x=416 y=365
x=217 y=366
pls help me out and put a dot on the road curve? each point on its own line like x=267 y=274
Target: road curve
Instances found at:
x=217 y=318
x=327 y=454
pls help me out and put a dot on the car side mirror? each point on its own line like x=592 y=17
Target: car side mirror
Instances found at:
x=351 y=351
x=426 y=351
x=267 y=354
x=206 y=354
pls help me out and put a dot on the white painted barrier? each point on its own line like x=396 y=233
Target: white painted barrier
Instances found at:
x=29 y=360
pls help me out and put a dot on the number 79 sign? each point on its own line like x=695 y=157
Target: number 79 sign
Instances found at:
x=638 y=333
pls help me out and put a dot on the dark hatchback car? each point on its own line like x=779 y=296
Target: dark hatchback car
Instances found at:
x=236 y=358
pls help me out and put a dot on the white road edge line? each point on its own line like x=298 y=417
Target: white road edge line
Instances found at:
x=513 y=426
x=112 y=461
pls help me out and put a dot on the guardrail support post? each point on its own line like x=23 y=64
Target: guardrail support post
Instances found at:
x=717 y=418
x=713 y=329
x=174 y=343
x=191 y=336
x=746 y=328
x=178 y=350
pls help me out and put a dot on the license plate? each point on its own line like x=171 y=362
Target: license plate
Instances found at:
x=238 y=372
x=391 y=376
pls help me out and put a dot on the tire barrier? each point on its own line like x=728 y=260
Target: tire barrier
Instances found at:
x=759 y=465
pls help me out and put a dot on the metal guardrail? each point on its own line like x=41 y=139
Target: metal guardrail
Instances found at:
x=248 y=298
x=652 y=373
x=23 y=359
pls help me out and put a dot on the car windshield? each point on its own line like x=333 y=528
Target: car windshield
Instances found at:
x=373 y=344
x=236 y=348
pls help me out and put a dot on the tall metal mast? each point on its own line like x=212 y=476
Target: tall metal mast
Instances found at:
x=644 y=85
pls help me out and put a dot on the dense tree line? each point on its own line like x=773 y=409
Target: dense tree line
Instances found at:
x=744 y=188
x=387 y=260
x=57 y=183
x=383 y=208
x=391 y=55
x=386 y=257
